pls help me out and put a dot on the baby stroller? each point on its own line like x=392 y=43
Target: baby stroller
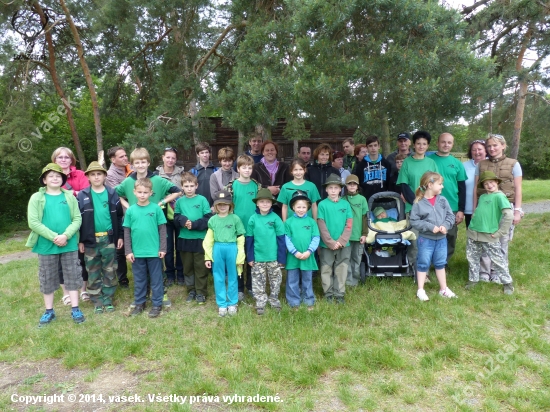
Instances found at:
x=386 y=256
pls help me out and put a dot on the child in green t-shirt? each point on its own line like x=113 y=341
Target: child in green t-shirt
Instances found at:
x=335 y=221
x=491 y=220
x=54 y=220
x=265 y=251
x=145 y=245
x=224 y=249
x=359 y=209
x=298 y=171
x=191 y=216
x=302 y=240
x=244 y=190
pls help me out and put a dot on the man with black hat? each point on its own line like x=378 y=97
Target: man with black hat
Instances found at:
x=403 y=147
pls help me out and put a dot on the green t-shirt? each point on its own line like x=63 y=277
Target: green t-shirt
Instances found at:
x=453 y=172
x=411 y=172
x=56 y=217
x=144 y=222
x=102 y=215
x=243 y=193
x=161 y=188
x=288 y=189
x=265 y=229
x=335 y=215
x=486 y=217
x=226 y=229
x=359 y=208
x=193 y=208
x=301 y=230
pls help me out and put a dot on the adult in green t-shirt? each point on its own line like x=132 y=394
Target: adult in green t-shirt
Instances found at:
x=454 y=185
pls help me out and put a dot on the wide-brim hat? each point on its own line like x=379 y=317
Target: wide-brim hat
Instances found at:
x=333 y=179
x=352 y=179
x=264 y=193
x=222 y=196
x=52 y=167
x=299 y=195
x=487 y=175
x=95 y=167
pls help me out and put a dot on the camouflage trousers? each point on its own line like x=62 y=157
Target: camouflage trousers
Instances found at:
x=475 y=249
x=260 y=272
x=101 y=263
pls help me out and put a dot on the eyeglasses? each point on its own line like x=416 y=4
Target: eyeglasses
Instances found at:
x=63 y=158
x=481 y=141
x=170 y=149
x=496 y=136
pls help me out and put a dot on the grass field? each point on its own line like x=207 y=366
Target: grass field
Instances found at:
x=535 y=190
x=382 y=351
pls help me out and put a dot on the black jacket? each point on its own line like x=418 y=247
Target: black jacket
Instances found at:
x=86 y=206
x=318 y=174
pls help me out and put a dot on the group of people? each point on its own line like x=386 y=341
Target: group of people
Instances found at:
x=258 y=213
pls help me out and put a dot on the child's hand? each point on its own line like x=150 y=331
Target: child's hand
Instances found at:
x=81 y=247
x=299 y=255
x=162 y=254
x=188 y=224
x=120 y=243
x=436 y=229
x=443 y=229
x=363 y=239
x=251 y=264
x=306 y=254
x=337 y=246
x=130 y=257
x=208 y=264
x=60 y=240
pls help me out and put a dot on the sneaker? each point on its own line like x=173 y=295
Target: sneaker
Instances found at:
x=470 y=285
x=169 y=283
x=421 y=294
x=78 y=316
x=484 y=278
x=232 y=310
x=276 y=308
x=98 y=310
x=46 y=318
x=181 y=283
x=109 y=308
x=166 y=302
x=260 y=311
x=495 y=279
x=155 y=311
x=201 y=299
x=138 y=310
x=340 y=300
x=191 y=296
x=222 y=312
x=329 y=299
x=508 y=289
x=447 y=293
x=241 y=296
x=124 y=285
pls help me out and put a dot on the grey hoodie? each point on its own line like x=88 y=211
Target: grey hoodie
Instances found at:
x=424 y=217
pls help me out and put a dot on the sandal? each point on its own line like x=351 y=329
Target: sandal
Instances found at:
x=84 y=297
x=66 y=300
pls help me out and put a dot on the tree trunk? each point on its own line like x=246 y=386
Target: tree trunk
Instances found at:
x=193 y=114
x=386 y=148
x=241 y=142
x=89 y=82
x=55 y=79
x=522 y=94
x=263 y=131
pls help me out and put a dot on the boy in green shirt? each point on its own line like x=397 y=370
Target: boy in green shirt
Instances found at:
x=265 y=251
x=244 y=190
x=191 y=216
x=54 y=220
x=335 y=221
x=492 y=218
x=145 y=244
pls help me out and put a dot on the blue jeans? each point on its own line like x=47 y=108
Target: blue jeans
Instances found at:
x=172 y=232
x=140 y=268
x=296 y=294
x=225 y=260
x=431 y=251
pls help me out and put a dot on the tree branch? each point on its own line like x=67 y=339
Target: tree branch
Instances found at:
x=468 y=10
x=500 y=36
x=538 y=95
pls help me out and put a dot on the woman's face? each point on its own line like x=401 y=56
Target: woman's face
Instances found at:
x=421 y=146
x=270 y=153
x=478 y=152
x=495 y=148
x=362 y=153
x=64 y=160
x=323 y=157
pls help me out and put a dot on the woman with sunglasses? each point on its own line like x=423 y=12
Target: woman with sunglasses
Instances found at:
x=509 y=171
x=76 y=181
x=476 y=153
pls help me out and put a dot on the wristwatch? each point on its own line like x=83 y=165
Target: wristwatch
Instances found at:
x=520 y=210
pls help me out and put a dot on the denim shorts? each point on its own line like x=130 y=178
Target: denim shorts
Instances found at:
x=431 y=251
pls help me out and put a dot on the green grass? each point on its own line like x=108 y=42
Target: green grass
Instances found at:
x=535 y=190
x=382 y=350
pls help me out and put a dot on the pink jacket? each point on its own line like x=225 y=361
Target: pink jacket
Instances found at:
x=77 y=179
